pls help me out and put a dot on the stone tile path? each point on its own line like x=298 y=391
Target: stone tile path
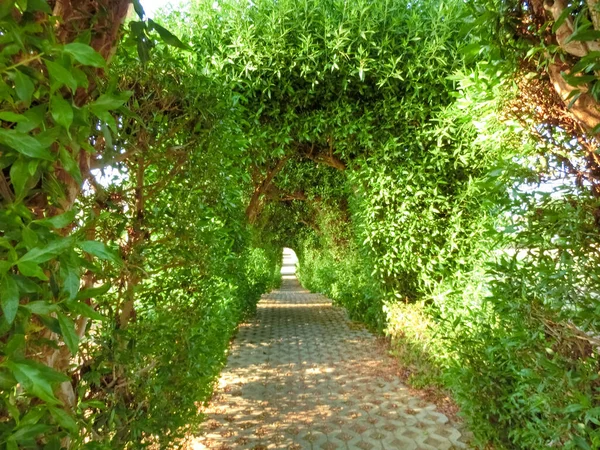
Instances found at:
x=302 y=376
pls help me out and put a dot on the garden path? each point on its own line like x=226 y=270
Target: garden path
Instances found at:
x=301 y=375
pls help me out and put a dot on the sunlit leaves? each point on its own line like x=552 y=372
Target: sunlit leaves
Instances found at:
x=42 y=138
x=36 y=378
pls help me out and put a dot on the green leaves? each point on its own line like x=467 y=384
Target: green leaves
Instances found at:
x=19 y=176
x=64 y=420
x=9 y=297
x=8 y=116
x=61 y=111
x=44 y=137
x=58 y=221
x=167 y=37
x=67 y=328
x=84 y=310
x=24 y=87
x=71 y=275
x=100 y=250
x=36 y=378
x=60 y=76
x=85 y=54
x=31 y=269
x=108 y=102
x=24 y=144
x=45 y=253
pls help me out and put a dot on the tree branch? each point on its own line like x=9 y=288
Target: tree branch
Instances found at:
x=255 y=206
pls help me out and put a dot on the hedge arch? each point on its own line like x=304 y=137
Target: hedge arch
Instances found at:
x=434 y=165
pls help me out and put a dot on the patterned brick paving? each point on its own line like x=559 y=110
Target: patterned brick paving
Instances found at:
x=302 y=376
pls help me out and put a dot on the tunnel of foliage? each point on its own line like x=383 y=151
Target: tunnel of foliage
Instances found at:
x=434 y=164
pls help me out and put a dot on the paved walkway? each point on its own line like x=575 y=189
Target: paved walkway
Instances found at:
x=302 y=376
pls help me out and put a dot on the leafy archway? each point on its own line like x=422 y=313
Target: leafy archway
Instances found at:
x=431 y=166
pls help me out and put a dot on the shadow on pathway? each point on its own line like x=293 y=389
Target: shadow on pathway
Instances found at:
x=300 y=375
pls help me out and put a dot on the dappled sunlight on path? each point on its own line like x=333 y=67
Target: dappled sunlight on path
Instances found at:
x=302 y=376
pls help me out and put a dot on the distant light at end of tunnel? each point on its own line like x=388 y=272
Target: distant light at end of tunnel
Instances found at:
x=288 y=266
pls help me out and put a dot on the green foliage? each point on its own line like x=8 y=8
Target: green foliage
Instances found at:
x=433 y=230
x=44 y=245
x=126 y=259
x=145 y=203
x=329 y=263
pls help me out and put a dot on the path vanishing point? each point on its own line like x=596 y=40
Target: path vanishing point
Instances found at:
x=301 y=375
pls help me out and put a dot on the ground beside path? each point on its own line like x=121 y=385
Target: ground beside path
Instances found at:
x=300 y=375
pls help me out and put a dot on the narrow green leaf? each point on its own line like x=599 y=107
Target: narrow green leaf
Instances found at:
x=583 y=35
x=8 y=116
x=107 y=102
x=31 y=269
x=69 y=163
x=36 y=379
x=67 y=328
x=85 y=54
x=58 y=222
x=24 y=87
x=10 y=298
x=137 y=6
x=167 y=37
x=100 y=250
x=144 y=43
x=64 y=419
x=93 y=292
x=32 y=166
x=19 y=176
x=83 y=309
x=29 y=432
x=33 y=416
x=561 y=19
x=51 y=323
x=71 y=275
x=581 y=443
x=61 y=111
x=24 y=144
x=26 y=285
x=60 y=76
x=42 y=254
x=40 y=307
